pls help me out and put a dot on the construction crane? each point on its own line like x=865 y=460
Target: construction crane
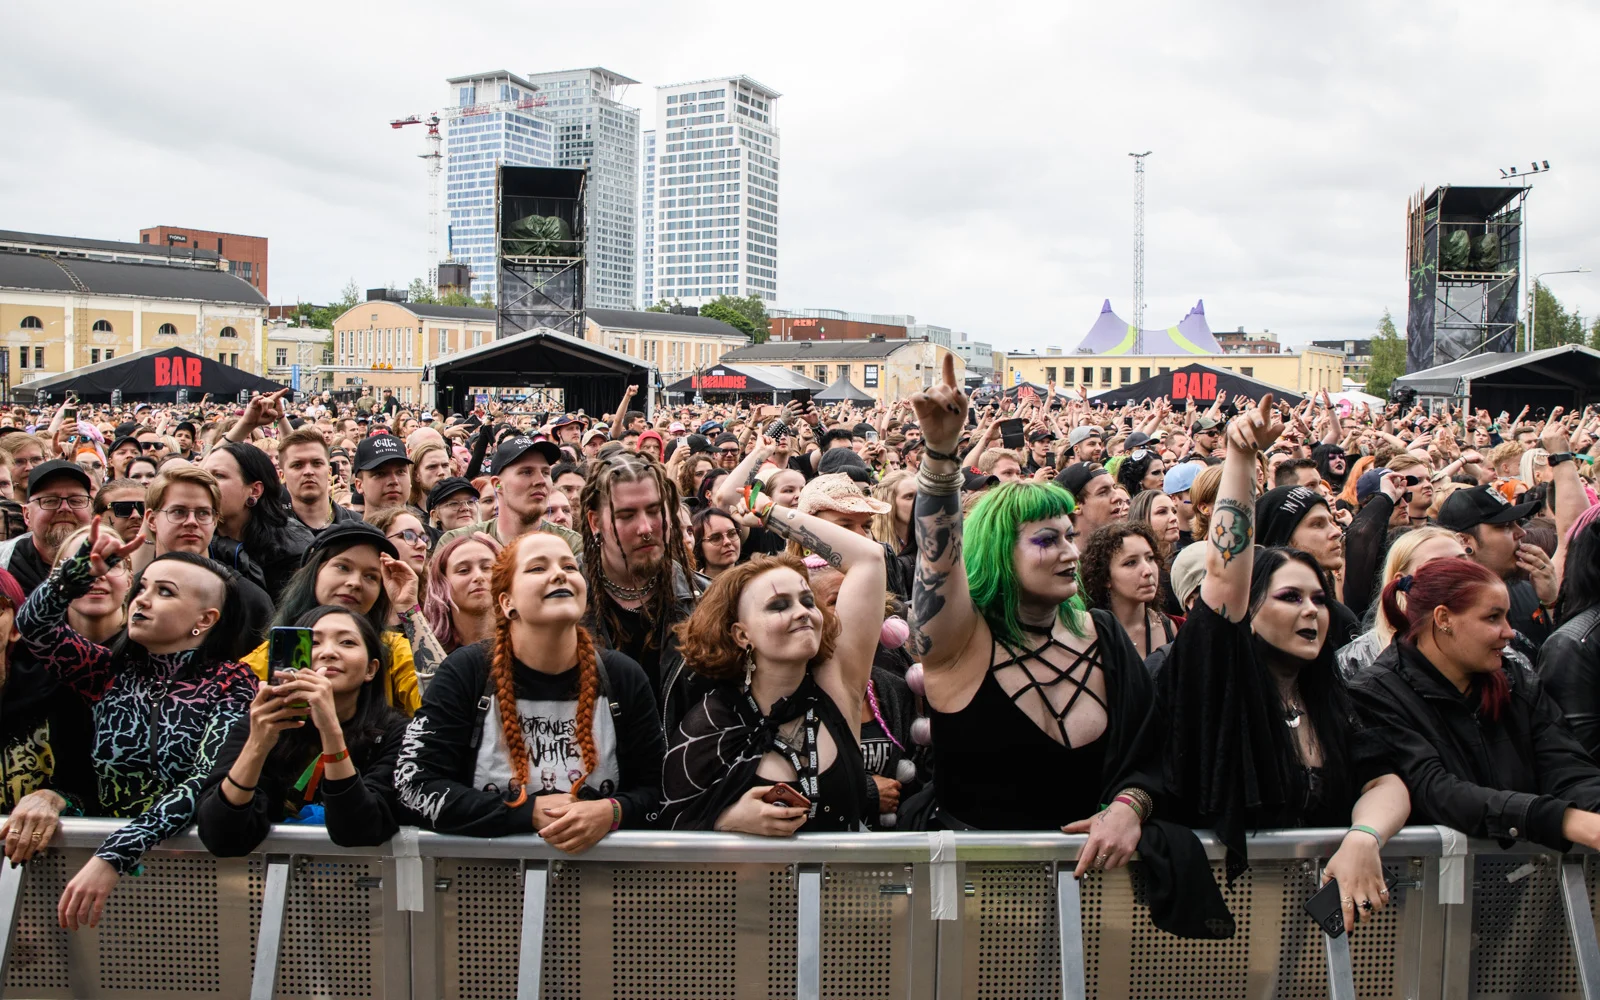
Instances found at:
x=1138 y=250
x=435 y=158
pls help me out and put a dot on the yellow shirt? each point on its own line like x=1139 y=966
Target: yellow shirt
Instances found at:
x=404 y=693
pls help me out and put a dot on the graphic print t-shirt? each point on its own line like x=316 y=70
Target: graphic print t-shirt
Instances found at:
x=547 y=706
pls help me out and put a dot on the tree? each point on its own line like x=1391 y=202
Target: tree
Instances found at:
x=457 y=299
x=747 y=314
x=1594 y=334
x=1553 y=325
x=1388 y=357
x=420 y=292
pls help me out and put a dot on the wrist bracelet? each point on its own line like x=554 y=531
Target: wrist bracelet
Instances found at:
x=1127 y=800
x=248 y=791
x=927 y=450
x=939 y=484
x=1363 y=828
x=616 y=814
x=1141 y=803
x=334 y=758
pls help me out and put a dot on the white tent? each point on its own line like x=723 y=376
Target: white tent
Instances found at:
x=1355 y=399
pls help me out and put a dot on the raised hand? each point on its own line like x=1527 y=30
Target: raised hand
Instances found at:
x=1256 y=428
x=399 y=582
x=106 y=551
x=942 y=411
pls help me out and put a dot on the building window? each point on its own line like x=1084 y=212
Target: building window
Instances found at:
x=822 y=374
x=1127 y=376
x=222 y=359
x=33 y=323
x=23 y=351
x=167 y=330
x=1088 y=376
x=101 y=326
x=1105 y=376
x=228 y=331
x=1066 y=376
x=283 y=356
x=444 y=341
x=1247 y=371
x=1165 y=370
x=38 y=357
x=233 y=359
x=110 y=354
x=1144 y=373
x=1049 y=374
x=94 y=356
x=844 y=372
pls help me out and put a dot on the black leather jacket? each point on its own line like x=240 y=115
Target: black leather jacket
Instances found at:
x=1569 y=667
x=1510 y=779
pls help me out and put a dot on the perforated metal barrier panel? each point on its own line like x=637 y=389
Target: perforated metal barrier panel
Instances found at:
x=643 y=919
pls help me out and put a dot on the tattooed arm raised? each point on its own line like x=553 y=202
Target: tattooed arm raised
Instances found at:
x=1226 y=588
x=946 y=619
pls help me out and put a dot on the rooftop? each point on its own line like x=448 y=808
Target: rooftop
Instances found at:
x=661 y=322
x=805 y=350
x=38 y=241
x=610 y=74
x=741 y=78
x=48 y=273
x=493 y=74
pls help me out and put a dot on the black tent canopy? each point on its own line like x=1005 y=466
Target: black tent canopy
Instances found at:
x=152 y=375
x=1198 y=382
x=842 y=391
x=757 y=382
x=1566 y=376
x=591 y=378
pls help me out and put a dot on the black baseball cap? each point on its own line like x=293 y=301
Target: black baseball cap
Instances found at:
x=379 y=449
x=125 y=439
x=1041 y=436
x=1077 y=475
x=448 y=487
x=344 y=534
x=972 y=479
x=58 y=467
x=513 y=448
x=1462 y=510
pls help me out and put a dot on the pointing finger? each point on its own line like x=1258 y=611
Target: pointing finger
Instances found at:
x=950 y=370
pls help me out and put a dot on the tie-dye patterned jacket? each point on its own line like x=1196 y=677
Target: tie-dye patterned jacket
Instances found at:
x=159 y=720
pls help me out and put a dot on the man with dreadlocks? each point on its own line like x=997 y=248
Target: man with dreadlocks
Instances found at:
x=641 y=583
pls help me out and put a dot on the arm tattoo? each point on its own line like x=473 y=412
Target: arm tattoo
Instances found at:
x=938 y=527
x=808 y=540
x=927 y=600
x=1231 y=529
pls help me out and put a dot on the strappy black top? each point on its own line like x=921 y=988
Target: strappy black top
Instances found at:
x=997 y=770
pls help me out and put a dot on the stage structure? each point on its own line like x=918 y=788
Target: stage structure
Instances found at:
x=540 y=216
x=1463 y=245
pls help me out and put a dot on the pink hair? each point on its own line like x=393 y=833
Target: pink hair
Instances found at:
x=437 y=606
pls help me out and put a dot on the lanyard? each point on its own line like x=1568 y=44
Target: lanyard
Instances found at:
x=805 y=771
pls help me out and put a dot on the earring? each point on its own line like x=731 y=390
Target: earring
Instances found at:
x=749 y=665
x=511 y=613
x=1448 y=630
x=249 y=501
x=195 y=632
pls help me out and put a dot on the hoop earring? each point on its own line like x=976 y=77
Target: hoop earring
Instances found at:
x=749 y=665
x=196 y=632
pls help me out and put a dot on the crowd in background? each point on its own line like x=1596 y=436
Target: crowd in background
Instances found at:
x=1000 y=611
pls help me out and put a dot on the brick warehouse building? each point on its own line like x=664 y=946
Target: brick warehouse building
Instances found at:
x=246 y=255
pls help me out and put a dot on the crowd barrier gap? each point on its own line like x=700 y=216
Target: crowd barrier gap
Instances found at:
x=687 y=915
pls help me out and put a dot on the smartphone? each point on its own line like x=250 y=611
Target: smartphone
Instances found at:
x=69 y=413
x=288 y=652
x=1011 y=433
x=1324 y=908
x=783 y=794
x=801 y=396
x=872 y=435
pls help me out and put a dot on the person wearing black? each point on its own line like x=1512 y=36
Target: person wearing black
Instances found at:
x=1257 y=729
x=1478 y=740
x=252 y=515
x=318 y=747
x=59 y=502
x=535 y=730
x=1569 y=661
x=1490 y=527
x=1300 y=518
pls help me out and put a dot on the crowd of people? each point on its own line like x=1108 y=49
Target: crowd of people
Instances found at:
x=1014 y=613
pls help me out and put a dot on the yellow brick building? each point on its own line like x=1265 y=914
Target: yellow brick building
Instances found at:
x=886 y=369
x=382 y=344
x=1305 y=372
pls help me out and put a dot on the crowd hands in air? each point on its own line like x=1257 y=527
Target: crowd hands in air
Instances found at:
x=1125 y=622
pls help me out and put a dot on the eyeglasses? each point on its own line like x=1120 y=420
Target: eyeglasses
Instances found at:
x=725 y=536
x=456 y=506
x=151 y=445
x=412 y=536
x=201 y=515
x=78 y=501
x=729 y=451
x=126 y=508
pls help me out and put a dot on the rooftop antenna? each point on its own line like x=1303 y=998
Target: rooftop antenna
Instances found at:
x=1138 y=250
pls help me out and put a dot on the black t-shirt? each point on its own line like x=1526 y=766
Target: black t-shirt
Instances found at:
x=761 y=542
x=28 y=566
x=632 y=639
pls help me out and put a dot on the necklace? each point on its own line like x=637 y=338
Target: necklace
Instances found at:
x=621 y=593
x=1292 y=714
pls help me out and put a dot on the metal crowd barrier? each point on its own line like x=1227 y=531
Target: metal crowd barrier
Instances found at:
x=892 y=915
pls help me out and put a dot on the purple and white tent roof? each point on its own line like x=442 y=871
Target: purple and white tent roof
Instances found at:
x=1112 y=335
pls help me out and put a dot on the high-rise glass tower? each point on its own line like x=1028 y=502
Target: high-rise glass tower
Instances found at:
x=716 y=191
x=492 y=118
x=594 y=129
x=647 y=220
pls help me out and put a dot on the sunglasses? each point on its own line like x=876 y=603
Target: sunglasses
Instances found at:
x=151 y=445
x=412 y=536
x=126 y=508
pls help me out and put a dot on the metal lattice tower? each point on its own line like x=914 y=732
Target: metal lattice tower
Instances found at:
x=1138 y=250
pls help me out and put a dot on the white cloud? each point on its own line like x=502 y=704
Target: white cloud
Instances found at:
x=963 y=163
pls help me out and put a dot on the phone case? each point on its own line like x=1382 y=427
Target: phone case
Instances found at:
x=288 y=649
x=1324 y=908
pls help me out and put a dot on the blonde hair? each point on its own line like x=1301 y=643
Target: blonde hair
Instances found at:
x=886 y=527
x=1398 y=563
x=1529 y=458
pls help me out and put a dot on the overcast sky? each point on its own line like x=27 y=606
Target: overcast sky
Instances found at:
x=963 y=163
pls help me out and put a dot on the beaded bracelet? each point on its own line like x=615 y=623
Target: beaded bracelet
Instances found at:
x=616 y=814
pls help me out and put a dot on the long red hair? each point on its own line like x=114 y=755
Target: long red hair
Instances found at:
x=1456 y=584
x=505 y=691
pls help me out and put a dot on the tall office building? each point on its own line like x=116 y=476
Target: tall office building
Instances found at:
x=595 y=130
x=716 y=191
x=495 y=118
x=647 y=220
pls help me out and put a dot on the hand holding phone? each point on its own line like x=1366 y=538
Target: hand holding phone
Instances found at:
x=783 y=794
x=288 y=653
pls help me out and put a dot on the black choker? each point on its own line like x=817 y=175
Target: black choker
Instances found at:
x=1036 y=629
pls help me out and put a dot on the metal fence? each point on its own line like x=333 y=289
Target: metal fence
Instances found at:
x=892 y=915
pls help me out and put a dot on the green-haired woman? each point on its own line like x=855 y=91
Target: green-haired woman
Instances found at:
x=1041 y=710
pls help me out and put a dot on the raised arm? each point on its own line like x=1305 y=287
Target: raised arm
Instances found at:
x=1226 y=588
x=729 y=487
x=940 y=602
x=76 y=661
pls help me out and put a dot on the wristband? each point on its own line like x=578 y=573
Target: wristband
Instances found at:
x=1363 y=828
x=927 y=450
x=616 y=814
x=1558 y=458
x=334 y=758
x=1127 y=800
x=248 y=791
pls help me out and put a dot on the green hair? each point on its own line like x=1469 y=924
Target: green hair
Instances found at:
x=989 y=545
x=1114 y=463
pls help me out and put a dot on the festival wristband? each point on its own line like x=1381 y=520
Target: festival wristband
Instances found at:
x=616 y=815
x=1363 y=828
x=927 y=450
x=334 y=758
x=1127 y=800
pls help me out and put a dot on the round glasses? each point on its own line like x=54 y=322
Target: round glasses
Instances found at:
x=178 y=515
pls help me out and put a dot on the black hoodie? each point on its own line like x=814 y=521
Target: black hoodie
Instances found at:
x=45 y=735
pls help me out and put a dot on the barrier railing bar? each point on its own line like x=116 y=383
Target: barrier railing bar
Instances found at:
x=269 y=937
x=1341 y=976
x=12 y=878
x=808 y=934
x=1069 y=927
x=1580 y=925
x=530 y=953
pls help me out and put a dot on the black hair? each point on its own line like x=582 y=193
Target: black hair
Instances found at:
x=1322 y=691
x=698 y=526
x=298 y=747
x=299 y=596
x=1285 y=475
x=154 y=467
x=223 y=642
x=708 y=483
x=1580 y=580
x=836 y=434
x=1131 y=473
x=263 y=535
x=563 y=468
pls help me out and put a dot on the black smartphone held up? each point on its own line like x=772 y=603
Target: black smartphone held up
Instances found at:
x=288 y=652
x=1324 y=908
x=801 y=396
x=1011 y=433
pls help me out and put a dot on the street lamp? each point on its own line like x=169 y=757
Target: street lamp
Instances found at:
x=1533 y=298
